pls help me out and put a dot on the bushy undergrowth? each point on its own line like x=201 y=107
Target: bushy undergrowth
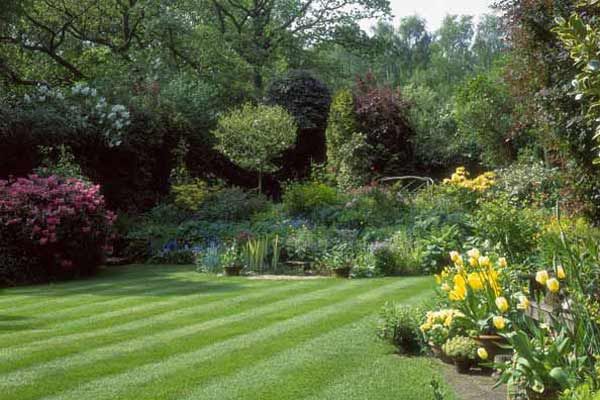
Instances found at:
x=51 y=228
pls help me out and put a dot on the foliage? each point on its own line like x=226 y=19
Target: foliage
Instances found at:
x=460 y=347
x=232 y=256
x=231 y=204
x=59 y=161
x=382 y=114
x=252 y=136
x=347 y=150
x=399 y=325
x=309 y=198
x=339 y=256
x=52 y=228
x=189 y=196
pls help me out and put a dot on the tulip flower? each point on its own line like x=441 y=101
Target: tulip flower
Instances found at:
x=499 y=322
x=524 y=303
x=502 y=304
x=560 y=272
x=482 y=353
x=474 y=253
x=553 y=285
x=542 y=277
x=502 y=262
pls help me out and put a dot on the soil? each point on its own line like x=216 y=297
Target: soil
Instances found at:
x=476 y=385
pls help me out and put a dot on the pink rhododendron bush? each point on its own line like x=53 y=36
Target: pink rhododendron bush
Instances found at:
x=51 y=228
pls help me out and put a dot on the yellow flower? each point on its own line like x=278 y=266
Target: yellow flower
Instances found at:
x=502 y=262
x=472 y=261
x=524 y=303
x=448 y=320
x=553 y=285
x=460 y=289
x=502 y=304
x=474 y=253
x=438 y=279
x=484 y=261
x=482 y=353
x=459 y=261
x=425 y=327
x=560 y=272
x=475 y=281
x=541 y=277
x=499 y=322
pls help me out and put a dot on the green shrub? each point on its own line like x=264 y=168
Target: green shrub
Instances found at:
x=305 y=244
x=189 y=196
x=231 y=204
x=399 y=325
x=370 y=207
x=408 y=254
x=309 y=198
x=461 y=347
x=514 y=230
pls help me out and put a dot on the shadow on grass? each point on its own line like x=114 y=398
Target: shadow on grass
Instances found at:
x=138 y=280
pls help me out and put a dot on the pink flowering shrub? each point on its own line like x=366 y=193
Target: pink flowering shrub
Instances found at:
x=51 y=228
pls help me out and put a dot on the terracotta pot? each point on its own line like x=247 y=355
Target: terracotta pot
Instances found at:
x=492 y=343
x=233 y=270
x=341 y=272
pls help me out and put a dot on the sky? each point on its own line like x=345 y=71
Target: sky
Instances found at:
x=435 y=10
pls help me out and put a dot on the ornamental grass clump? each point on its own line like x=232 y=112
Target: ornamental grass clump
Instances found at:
x=51 y=228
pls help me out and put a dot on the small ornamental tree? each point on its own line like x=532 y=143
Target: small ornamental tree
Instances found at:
x=253 y=136
x=51 y=228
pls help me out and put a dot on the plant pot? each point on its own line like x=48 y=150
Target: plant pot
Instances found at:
x=341 y=272
x=492 y=344
x=463 y=365
x=233 y=270
x=545 y=395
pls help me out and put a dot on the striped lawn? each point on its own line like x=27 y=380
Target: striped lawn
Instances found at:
x=159 y=332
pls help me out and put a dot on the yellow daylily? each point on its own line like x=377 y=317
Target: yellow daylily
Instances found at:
x=502 y=304
x=560 y=272
x=542 y=277
x=482 y=353
x=553 y=285
x=499 y=322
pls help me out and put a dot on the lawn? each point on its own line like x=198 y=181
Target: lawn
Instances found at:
x=145 y=332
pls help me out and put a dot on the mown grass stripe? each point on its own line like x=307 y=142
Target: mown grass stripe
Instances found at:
x=111 y=386
x=320 y=349
x=81 y=359
x=177 y=308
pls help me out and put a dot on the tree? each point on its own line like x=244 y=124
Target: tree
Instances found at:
x=252 y=136
x=488 y=43
x=257 y=29
x=307 y=99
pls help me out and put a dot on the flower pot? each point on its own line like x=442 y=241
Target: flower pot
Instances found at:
x=545 y=395
x=492 y=344
x=341 y=272
x=233 y=270
x=463 y=365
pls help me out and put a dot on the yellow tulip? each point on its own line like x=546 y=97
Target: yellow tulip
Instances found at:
x=473 y=262
x=475 y=281
x=454 y=256
x=524 y=303
x=542 y=277
x=482 y=353
x=484 y=261
x=474 y=253
x=438 y=279
x=459 y=261
x=560 y=272
x=502 y=304
x=553 y=285
x=502 y=262
x=499 y=322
